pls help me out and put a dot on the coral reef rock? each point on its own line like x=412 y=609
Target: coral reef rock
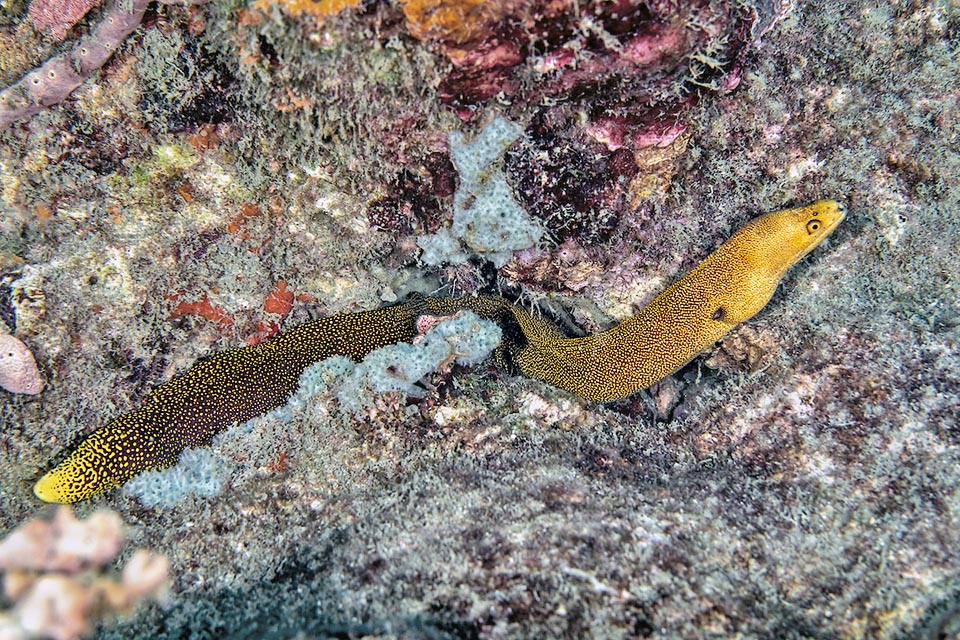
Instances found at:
x=55 y=573
x=56 y=17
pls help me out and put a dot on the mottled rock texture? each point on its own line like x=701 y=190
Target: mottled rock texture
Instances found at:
x=806 y=487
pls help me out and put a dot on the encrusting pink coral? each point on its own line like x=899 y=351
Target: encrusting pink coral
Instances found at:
x=55 y=17
x=64 y=543
x=55 y=573
x=18 y=369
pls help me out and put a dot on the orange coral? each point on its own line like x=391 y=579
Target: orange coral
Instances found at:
x=455 y=21
x=265 y=331
x=43 y=213
x=205 y=138
x=203 y=308
x=239 y=222
x=319 y=8
x=281 y=463
x=185 y=191
x=280 y=300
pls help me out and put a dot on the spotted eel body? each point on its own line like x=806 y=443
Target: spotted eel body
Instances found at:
x=728 y=287
x=229 y=387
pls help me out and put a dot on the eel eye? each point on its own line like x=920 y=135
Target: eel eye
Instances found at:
x=719 y=314
x=813 y=226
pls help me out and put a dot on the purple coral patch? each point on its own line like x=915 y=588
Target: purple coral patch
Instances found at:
x=414 y=201
x=605 y=81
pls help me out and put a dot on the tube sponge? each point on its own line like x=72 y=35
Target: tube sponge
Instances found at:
x=55 y=79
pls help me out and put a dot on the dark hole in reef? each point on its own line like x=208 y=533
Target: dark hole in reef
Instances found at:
x=624 y=18
x=98 y=148
x=413 y=204
x=268 y=50
x=567 y=183
x=8 y=313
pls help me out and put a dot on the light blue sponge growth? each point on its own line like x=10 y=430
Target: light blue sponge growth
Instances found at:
x=441 y=248
x=465 y=338
x=200 y=472
x=486 y=216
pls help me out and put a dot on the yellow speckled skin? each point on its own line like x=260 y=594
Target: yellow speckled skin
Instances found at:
x=230 y=387
x=730 y=286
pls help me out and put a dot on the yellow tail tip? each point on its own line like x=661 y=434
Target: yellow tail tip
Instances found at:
x=48 y=489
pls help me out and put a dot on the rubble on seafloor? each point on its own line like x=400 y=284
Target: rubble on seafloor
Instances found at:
x=57 y=575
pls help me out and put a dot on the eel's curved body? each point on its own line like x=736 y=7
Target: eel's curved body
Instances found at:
x=729 y=287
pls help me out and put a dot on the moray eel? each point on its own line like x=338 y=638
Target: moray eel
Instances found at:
x=231 y=386
x=731 y=285
x=728 y=287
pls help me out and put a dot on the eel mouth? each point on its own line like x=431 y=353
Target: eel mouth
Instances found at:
x=47 y=489
x=832 y=218
x=840 y=214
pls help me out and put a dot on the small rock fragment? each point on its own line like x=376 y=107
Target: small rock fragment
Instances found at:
x=746 y=349
x=18 y=369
